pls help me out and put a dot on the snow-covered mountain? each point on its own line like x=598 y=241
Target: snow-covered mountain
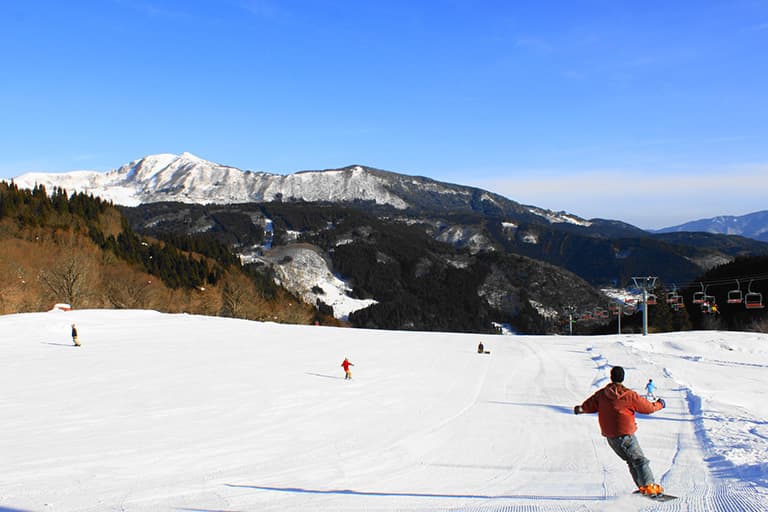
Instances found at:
x=189 y=179
x=753 y=225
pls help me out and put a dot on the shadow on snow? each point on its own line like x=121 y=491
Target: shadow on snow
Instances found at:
x=324 y=376
x=556 y=408
x=350 y=492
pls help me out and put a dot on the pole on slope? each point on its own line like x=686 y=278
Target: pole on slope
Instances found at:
x=645 y=283
x=570 y=310
x=645 y=312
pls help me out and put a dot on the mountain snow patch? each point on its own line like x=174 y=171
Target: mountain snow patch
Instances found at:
x=560 y=217
x=303 y=270
x=544 y=311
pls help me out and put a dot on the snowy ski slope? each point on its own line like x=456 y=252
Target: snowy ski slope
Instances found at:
x=191 y=413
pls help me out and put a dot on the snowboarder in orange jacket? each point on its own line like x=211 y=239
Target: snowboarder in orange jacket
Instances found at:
x=616 y=406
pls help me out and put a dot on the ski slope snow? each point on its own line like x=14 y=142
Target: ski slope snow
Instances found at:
x=192 y=413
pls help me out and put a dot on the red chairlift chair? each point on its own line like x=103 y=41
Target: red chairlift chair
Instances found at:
x=700 y=297
x=753 y=300
x=735 y=296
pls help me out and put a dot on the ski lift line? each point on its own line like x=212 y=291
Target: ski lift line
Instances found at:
x=717 y=283
x=675 y=299
x=730 y=280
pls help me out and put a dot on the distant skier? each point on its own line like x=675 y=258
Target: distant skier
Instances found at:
x=74 y=336
x=616 y=406
x=650 y=390
x=480 y=348
x=347 y=372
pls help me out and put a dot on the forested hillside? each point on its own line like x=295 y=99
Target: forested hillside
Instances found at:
x=83 y=251
x=80 y=250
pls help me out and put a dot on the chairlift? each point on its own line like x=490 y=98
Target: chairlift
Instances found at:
x=735 y=296
x=650 y=299
x=700 y=297
x=710 y=302
x=753 y=300
x=709 y=305
x=672 y=297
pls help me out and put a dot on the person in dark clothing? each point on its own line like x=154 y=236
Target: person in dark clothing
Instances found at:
x=74 y=336
x=616 y=406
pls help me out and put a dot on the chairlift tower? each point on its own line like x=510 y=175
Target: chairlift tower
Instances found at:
x=570 y=309
x=645 y=284
x=619 y=312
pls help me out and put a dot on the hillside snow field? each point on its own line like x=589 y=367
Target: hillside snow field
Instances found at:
x=192 y=413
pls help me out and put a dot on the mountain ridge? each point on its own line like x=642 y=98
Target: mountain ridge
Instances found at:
x=186 y=178
x=751 y=225
x=423 y=253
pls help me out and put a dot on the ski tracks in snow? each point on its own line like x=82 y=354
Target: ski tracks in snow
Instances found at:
x=720 y=489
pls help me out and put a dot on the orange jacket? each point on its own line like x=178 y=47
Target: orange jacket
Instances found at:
x=616 y=406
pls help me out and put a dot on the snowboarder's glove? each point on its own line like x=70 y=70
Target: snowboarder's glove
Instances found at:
x=662 y=402
x=578 y=410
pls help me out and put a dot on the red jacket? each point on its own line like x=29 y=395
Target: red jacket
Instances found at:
x=346 y=364
x=616 y=406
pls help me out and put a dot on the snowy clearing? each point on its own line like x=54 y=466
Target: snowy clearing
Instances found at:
x=191 y=413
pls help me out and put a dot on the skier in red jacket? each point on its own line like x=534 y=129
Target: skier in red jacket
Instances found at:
x=616 y=406
x=347 y=372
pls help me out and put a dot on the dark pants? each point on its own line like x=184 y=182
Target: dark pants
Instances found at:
x=628 y=448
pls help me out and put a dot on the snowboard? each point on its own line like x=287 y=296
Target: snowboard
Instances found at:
x=657 y=497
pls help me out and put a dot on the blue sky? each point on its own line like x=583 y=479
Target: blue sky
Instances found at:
x=651 y=112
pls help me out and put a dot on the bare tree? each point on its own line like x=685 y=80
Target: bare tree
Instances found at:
x=234 y=296
x=67 y=279
x=128 y=293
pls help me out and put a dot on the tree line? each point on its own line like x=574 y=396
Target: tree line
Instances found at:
x=79 y=249
x=176 y=266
